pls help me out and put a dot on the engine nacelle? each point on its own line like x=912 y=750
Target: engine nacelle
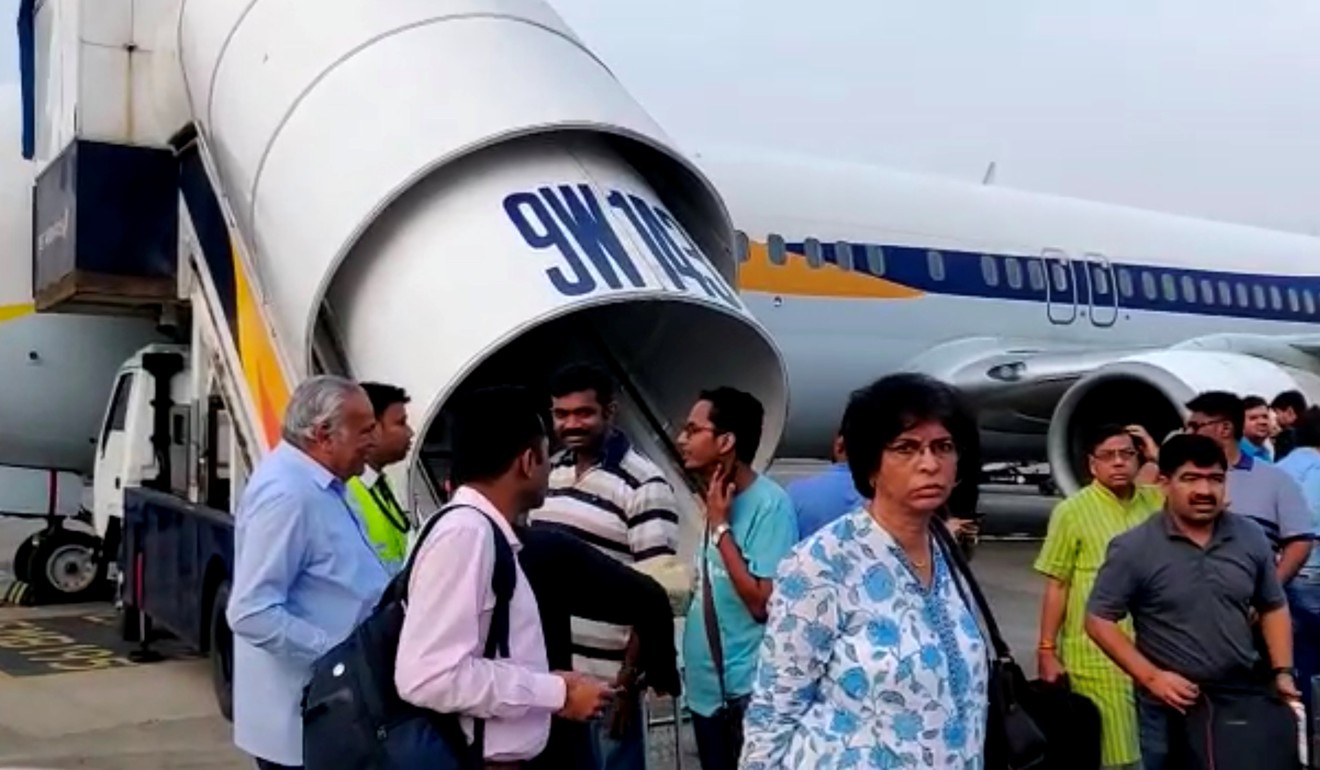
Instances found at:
x=1150 y=389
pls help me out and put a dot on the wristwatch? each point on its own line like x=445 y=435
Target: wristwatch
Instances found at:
x=718 y=533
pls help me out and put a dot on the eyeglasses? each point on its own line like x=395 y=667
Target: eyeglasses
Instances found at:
x=691 y=429
x=1196 y=427
x=1109 y=455
x=908 y=451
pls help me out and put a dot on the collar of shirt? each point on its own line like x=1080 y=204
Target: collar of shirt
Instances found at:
x=468 y=496
x=613 y=450
x=1139 y=494
x=369 y=476
x=1223 y=529
x=1244 y=462
x=318 y=472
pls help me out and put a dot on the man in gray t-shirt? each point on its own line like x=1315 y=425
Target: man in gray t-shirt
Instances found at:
x=1191 y=578
x=1256 y=489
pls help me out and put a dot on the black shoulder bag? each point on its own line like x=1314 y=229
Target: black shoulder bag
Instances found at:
x=1013 y=740
x=352 y=713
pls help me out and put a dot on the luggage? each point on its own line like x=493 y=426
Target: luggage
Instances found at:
x=353 y=716
x=1071 y=724
x=1247 y=728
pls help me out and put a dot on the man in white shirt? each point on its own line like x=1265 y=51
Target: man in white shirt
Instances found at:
x=501 y=468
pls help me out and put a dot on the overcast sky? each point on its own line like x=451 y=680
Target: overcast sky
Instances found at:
x=1202 y=107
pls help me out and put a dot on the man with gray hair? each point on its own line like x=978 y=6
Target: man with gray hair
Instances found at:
x=305 y=573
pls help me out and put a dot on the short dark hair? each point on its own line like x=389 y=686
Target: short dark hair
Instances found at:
x=382 y=396
x=491 y=427
x=1307 y=430
x=737 y=412
x=1189 y=448
x=1220 y=404
x=579 y=377
x=1290 y=399
x=878 y=413
x=1102 y=433
x=1252 y=402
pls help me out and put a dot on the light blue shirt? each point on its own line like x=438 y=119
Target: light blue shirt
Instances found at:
x=764 y=527
x=862 y=666
x=822 y=498
x=304 y=576
x=1303 y=465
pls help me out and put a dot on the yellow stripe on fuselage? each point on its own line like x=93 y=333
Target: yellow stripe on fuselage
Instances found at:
x=10 y=312
x=256 y=351
x=796 y=278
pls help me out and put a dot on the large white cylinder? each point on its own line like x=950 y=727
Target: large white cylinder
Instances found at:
x=462 y=192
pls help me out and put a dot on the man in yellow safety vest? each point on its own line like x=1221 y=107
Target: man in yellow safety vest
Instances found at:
x=386 y=521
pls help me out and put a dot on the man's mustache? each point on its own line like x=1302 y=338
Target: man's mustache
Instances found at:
x=574 y=433
x=1203 y=499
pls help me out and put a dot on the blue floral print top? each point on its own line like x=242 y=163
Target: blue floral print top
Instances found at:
x=862 y=666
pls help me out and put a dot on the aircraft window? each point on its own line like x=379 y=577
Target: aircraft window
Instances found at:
x=1294 y=302
x=1276 y=298
x=989 y=270
x=1125 y=282
x=1308 y=300
x=1060 y=276
x=811 y=247
x=1170 y=287
x=1188 y=289
x=1036 y=273
x=1258 y=294
x=1013 y=272
x=874 y=257
x=741 y=246
x=935 y=264
x=1240 y=289
x=1100 y=280
x=843 y=255
x=1207 y=291
x=775 y=244
x=1148 y=284
x=1225 y=293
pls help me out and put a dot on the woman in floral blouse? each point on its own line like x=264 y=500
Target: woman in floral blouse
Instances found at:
x=872 y=658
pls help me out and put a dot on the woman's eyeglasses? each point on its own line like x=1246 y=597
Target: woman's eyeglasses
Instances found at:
x=907 y=451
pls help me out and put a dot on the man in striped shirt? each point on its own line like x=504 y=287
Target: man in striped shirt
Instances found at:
x=1075 y=546
x=605 y=492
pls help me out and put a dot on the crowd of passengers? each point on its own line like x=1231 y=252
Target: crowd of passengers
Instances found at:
x=830 y=624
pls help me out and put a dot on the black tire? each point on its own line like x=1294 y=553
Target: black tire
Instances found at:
x=21 y=568
x=64 y=567
x=222 y=653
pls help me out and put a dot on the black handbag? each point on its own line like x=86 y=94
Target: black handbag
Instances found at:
x=1013 y=739
x=352 y=713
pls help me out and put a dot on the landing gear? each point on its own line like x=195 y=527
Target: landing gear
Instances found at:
x=61 y=566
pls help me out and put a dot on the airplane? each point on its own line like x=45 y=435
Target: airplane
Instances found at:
x=1052 y=314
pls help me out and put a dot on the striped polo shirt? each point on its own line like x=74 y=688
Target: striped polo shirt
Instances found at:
x=625 y=507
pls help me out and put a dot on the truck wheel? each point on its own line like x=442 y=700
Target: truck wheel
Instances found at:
x=222 y=653
x=64 y=567
x=21 y=567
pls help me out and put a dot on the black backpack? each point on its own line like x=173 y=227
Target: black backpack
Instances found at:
x=352 y=713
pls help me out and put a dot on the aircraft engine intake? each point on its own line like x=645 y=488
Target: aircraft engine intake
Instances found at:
x=1150 y=389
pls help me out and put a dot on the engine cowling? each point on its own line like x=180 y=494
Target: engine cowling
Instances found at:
x=1150 y=389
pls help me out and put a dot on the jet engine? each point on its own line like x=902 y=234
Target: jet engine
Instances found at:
x=1150 y=389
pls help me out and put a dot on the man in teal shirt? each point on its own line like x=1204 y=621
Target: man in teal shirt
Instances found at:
x=750 y=527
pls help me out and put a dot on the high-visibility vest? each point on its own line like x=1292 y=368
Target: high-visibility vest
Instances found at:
x=385 y=520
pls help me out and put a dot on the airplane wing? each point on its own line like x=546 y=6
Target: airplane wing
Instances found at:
x=1039 y=403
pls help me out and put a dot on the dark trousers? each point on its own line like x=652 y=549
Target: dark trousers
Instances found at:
x=720 y=735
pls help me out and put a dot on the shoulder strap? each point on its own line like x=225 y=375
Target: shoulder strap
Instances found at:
x=711 y=620
x=965 y=582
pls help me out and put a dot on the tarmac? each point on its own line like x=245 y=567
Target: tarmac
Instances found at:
x=71 y=698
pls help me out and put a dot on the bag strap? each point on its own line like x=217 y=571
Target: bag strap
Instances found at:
x=966 y=582
x=711 y=620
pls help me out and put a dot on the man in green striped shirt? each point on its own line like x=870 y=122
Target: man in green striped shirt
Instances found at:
x=1079 y=533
